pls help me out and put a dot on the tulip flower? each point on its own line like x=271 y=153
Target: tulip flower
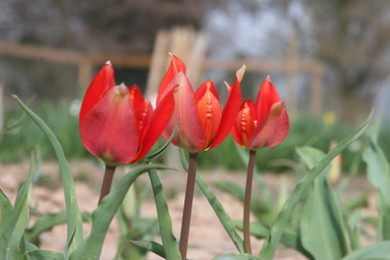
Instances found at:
x=263 y=124
x=203 y=124
x=259 y=125
x=117 y=124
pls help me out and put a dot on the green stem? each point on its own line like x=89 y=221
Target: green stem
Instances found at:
x=107 y=181
x=247 y=202
x=186 y=219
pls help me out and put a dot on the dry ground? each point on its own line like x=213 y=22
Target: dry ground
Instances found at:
x=207 y=236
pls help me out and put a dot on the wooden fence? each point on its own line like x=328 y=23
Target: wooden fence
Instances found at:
x=180 y=41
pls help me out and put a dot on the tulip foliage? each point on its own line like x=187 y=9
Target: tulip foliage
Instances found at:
x=120 y=127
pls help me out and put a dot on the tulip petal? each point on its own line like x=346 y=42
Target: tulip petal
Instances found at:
x=229 y=113
x=135 y=97
x=175 y=67
x=158 y=122
x=142 y=109
x=272 y=130
x=245 y=123
x=189 y=135
x=101 y=83
x=109 y=129
x=209 y=109
x=268 y=95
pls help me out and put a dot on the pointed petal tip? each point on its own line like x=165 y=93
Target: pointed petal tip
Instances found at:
x=109 y=63
x=240 y=73
x=268 y=79
x=227 y=85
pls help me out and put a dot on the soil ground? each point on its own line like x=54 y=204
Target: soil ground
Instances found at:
x=207 y=236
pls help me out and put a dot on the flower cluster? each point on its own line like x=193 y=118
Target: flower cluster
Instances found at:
x=120 y=127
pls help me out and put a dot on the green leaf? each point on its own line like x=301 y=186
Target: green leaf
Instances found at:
x=91 y=247
x=150 y=246
x=236 y=257
x=310 y=156
x=277 y=228
x=290 y=238
x=6 y=209
x=75 y=224
x=221 y=214
x=378 y=173
x=43 y=223
x=46 y=222
x=323 y=230
x=168 y=239
x=360 y=201
x=262 y=209
x=378 y=170
x=377 y=251
x=37 y=254
x=161 y=150
x=354 y=231
x=12 y=231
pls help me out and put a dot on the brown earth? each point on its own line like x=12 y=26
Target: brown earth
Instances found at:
x=207 y=237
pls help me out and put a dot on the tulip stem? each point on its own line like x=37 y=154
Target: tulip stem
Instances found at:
x=107 y=181
x=247 y=202
x=186 y=219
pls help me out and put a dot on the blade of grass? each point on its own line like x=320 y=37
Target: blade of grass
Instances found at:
x=164 y=219
x=75 y=224
x=277 y=228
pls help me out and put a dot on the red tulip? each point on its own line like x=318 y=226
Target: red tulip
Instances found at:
x=263 y=124
x=116 y=123
x=203 y=123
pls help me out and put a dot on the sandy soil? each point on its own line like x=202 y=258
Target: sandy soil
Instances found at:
x=207 y=237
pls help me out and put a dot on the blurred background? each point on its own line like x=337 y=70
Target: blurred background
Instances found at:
x=330 y=61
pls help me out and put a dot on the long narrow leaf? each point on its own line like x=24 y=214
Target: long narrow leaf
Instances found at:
x=103 y=215
x=262 y=209
x=37 y=254
x=272 y=242
x=46 y=222
x=236 y=257
x=378 y=173
x=323 y=231
x=152 y=156
x=378 y=251
x=12 y=233
x=221 y=214
x=5 y=209
x=290 y=238
x=164 y=219
x=75 y=225
x=151 y=246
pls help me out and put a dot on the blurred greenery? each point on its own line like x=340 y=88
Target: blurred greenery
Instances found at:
x=17 y=144
x=305 y=130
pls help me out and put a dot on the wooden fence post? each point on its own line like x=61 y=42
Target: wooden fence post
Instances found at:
x=291 y=77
